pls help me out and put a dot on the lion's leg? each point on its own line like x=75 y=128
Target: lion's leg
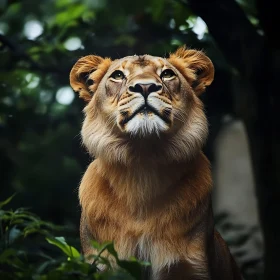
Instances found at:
x=86 y=237
x=221 y=263
x=183 y=270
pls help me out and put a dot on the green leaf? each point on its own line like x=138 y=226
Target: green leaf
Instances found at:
x=157 y=8
x=5 y=202
x=133 y=267
x=4 y=256
x=111 y=249
x=72 y=13
x=44 y=265
x=95 y=245
x=61 y=244
x=5 y=215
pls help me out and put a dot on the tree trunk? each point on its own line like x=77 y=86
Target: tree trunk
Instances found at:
x=257 y=60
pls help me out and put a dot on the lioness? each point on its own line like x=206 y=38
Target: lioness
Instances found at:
x=149 y=188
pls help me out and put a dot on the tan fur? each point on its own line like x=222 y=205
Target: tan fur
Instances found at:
x=193 y=62
x=149 y=188
x=81 y=70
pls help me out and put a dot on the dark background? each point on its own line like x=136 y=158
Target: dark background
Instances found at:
x=40 y=117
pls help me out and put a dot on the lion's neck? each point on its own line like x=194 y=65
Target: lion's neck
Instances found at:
x=142 y=182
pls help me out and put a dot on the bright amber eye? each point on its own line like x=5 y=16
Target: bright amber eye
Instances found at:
x=168 y=73
x=118 y=75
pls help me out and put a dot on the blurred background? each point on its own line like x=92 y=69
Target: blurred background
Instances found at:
x=42 y=159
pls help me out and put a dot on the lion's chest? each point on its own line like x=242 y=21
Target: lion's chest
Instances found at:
x=157 y=234
x=139 y=240
x=154 y=238
x=162 y=243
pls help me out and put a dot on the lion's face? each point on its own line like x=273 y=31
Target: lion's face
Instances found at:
x=145 y=95
x=143 y=98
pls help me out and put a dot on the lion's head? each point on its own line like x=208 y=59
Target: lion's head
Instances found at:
x=143 y=105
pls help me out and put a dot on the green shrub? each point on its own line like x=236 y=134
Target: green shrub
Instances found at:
x=29 y=250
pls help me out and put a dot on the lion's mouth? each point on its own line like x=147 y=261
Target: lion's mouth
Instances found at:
x=146 y=109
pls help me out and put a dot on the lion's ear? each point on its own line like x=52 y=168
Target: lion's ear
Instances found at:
x=87 y=73
x=195 y=66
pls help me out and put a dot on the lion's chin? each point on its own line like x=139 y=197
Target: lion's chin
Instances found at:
x=145 y=125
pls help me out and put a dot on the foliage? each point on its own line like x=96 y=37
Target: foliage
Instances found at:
x=41 y=157
x=24 y=252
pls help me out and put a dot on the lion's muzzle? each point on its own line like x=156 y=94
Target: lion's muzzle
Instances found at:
x=143 y=111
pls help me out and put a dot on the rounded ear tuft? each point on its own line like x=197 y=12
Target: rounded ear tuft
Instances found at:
x=195 y=66
x=80 y=79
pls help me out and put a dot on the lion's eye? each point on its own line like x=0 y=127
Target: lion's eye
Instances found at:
x=118 y=75
x=168 y=73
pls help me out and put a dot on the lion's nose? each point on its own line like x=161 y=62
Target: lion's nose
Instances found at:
x=145 y=89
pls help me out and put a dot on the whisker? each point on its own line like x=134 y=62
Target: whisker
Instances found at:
x=168 y=103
